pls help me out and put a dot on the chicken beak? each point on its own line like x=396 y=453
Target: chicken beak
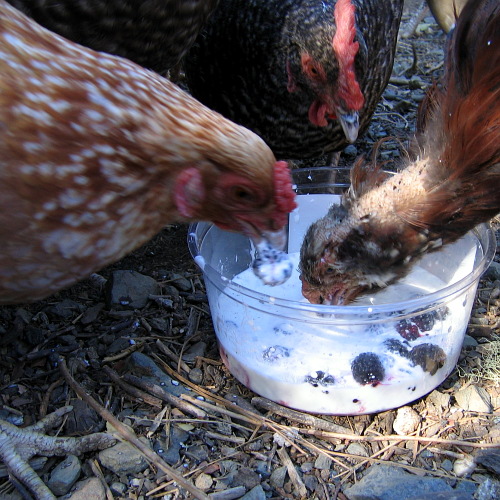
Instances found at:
x=274 y=239
x=350 y=125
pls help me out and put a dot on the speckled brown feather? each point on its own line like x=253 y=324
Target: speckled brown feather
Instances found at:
x=452 y=186
x=93 y=149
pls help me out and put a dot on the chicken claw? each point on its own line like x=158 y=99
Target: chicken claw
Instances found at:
x=18 y=445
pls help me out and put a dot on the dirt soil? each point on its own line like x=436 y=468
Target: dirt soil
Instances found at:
x=290 y=454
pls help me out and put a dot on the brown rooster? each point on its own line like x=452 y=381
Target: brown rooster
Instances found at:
x=305 y=75
x=98 y=154
x=152 y=33
x=454 y=184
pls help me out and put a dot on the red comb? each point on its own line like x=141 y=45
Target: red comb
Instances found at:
x=346 y=49
x=284 y=195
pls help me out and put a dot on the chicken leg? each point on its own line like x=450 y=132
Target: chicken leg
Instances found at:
x=18 y=445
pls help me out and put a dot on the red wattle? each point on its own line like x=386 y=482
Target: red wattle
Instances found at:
x=317 y=112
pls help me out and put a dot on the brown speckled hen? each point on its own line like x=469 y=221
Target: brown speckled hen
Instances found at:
x=305 y=75
x=97 y=154
x=152 y=33
x=452 y=186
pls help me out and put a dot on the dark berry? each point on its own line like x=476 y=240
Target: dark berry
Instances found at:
x=429 y=356
x=367 y=369
x=321 y=378
x=276 y=352
x=407 y=329
x=425 y=322
x=397 y=347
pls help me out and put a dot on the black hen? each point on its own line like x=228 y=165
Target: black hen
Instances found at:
x=452 y=186
x=305 y=75
x=152 y=33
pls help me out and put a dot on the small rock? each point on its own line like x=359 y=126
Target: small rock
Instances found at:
x=203 y=482
x=439 y=399
x=90 y=315
x=489 y=458
x=196 y=376
x=66 y=309
x=469 y=341
x=140 y=364
x=393 y=483
x=464 y=466
x=351 y=150
x=474 y=398
x=130 y=289
x=307 y=467
x=177 y=437
x=357 y=449
x=118 y=489
x=256 y=493
x=488 y=490
x=198 y=349
x=447 y=465
x=277 y=479
x=323 y=462
x=246 y=477
x=123 y=458
x=493 y=272
x=406 y=421
x=89 y=489
x=181 y=283
x=65 y=475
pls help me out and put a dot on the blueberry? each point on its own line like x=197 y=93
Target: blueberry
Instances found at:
x=321 y=378
x=397 y=347
x=429 y=356
x=407 y=329
x=368 y=369
x=276 y=352
x=425 y=322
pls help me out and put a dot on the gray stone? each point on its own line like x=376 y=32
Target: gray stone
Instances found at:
x=489 y=458
x=474 y=398
x=179 y=281
x=439 y=399
x=246 y=477
x=140 y=364
x=118 y=488
x=384 y=482
x=493 y=272
x=469 y=341
x=277 y=479
x=203 y=482
x=447 y=465
x=89 y=489
x=177 y=437
x=123 y=458
x=488 y=490
x=323 y=462
x=196 y=375
x=256 y=493
x=197 y=349
x=130 y=289
x=65 y=475
x=357 y=449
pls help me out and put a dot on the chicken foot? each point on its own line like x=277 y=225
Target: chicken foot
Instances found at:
x=18 y=445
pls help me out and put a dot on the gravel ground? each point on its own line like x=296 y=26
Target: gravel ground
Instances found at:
x=153 y=362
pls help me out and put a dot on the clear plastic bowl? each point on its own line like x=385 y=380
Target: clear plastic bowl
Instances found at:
x=341 y=360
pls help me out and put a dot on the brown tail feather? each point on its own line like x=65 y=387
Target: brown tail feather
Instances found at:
x=467 y=158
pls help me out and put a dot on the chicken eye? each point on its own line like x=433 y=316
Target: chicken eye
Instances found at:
x=242 y=194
